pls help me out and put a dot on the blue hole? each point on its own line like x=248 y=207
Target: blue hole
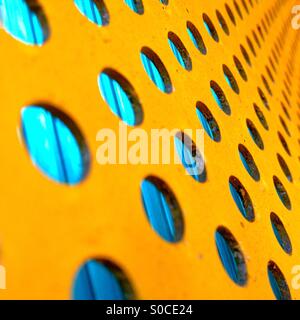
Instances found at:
x=230 y=79
x=210 y=27
x=220 y=97
x=280 y=233
x=100 y=280
x=121 y=97
x=196 y=37
x=208 y=122
x=135 y=5
x=94 y=10
x=278 y=283
x=190 y=157
x=55 y=144
x=156 y=70
x=248 y=162
x=231 y=256
x=24 y=20
x=180 y=51
x=241 y=198
x=254 y=134
x=162 y=209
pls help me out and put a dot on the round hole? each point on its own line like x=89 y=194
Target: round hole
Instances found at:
x=231 y=256
x=220 y=97
x=55 y=144
x=156 y=70
x=255 y=134
x=241 y=198
x=256 y=38
x=270 y=74
x=285 y=127
x=179 y=51
x=238 y=10
x=94 y=10
x=280 y=233
x=210 y=27
x=278 y=282
x=250 y=44
x=190 y=157
x=245 y=6
x=240 y=68
x=222 y=22
x=284 y=167
x=284 y=143
x=101 y=280
x=249 y=162
x=230 y=79
x=261 y=116
x=245 y=55
x=282 y=193
x=196 y=37
x=285 y=111
x=263 y=98
x=120 y=96
x=208 y=122
x=230 y=14
x=266 y=84
x=25 y=21
x=260 y=32
x=162 y=209
x=135 y=5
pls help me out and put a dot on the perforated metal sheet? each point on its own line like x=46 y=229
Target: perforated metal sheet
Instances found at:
x=48 y=230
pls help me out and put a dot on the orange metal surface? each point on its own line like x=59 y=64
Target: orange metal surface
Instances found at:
x=47 y=230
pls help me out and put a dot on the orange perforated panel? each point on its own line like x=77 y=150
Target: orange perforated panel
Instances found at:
x=48 y=230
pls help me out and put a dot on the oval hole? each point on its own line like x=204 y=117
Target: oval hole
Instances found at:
x=261 y=116
x=101 y=280
x=241 y=198
x=179 y=51
x=156 y=70
x=162 y=209
x=284 y=143
x=210 y=27
x=231 y=256
x=135 y=5
x=222 y=22
x=196 y=37
x=55 y=144
x=230 y=79
x=255 y=134
x=249 y=162
x=280 y=233
x=94 y=10
x=284 y=167
x=190 y=157
x=230 y=14
x=282 y=193
x=208 y=122
x=245 y=55
x=25 y=21
x=278 y=282
x=120 y=96
x=263 y=98
x=220 y=97
x=240 y=68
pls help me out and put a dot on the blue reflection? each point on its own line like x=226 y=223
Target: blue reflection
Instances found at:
x=23 y=21
x=52 y=145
